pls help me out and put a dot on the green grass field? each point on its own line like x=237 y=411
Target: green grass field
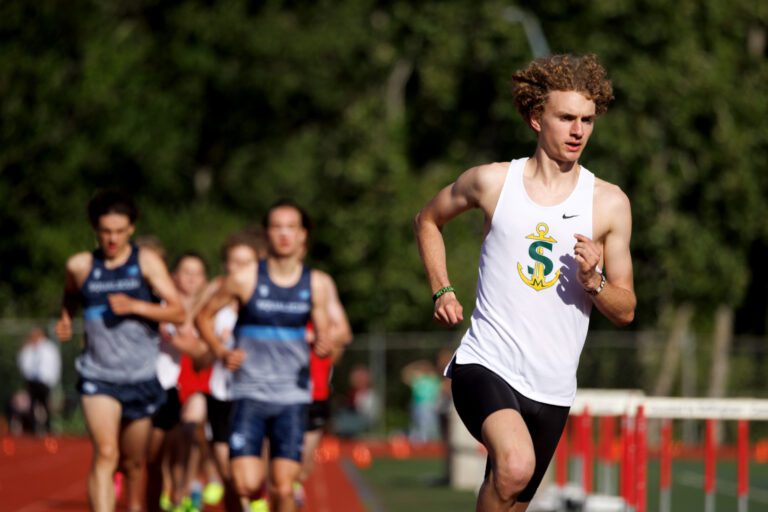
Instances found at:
x=688 y=484
x=411 y=486
x=414 y=485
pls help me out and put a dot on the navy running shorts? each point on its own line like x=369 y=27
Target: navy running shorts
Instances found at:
x=282 y=424
x=137 y=399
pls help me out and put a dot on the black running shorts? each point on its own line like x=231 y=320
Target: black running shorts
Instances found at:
x=219 y=413
x=478 y=392
x=318 y=413
x=169 y=414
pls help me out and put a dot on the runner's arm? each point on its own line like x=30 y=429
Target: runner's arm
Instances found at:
x=339 y=329
x=76 y=269
x=617 y=299
x=324 y=342
x=156 y=274
x=465 y=193
x=206 y=294
x=204 y=320
x=185 y=339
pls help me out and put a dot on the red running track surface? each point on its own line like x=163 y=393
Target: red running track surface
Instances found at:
x=39 y=475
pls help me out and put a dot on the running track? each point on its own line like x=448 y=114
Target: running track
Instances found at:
x=40 y=476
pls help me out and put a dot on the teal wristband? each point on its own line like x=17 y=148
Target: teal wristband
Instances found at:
x=442 y=291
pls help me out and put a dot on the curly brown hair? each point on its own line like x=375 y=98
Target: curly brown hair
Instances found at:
x=564 y=72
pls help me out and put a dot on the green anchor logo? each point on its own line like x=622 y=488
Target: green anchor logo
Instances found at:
x=543 y=266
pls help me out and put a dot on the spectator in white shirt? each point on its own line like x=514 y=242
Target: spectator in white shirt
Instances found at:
x=39 y=361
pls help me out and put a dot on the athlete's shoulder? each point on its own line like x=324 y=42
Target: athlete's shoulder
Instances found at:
x=609 y=195
x=321 y=278
x=148 y=256
x=79 y=263
x=488 y=175
x=479 y=183
x=322 y=285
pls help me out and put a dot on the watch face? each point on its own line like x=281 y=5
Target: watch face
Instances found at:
x=599 y=287
x=602 y=284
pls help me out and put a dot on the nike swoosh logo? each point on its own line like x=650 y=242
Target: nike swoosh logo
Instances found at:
x=570 y=216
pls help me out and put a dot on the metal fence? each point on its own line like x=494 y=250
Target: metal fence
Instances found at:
x=611 y=359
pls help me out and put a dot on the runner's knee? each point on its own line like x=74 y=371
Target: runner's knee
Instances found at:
x=512 y=474
x=283 y=490
x=246 y=487
x=106 y=456
x=133 y=465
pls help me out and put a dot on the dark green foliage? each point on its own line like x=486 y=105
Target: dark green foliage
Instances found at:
x=362 y=110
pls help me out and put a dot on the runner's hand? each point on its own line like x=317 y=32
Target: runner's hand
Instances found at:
x=233 y=359
x=187 y=329
x=165 y=333
x=448 y=310
x=588 y=255
x=64 y=327
x=186 y=341
x=322 y=344
x=122 y=304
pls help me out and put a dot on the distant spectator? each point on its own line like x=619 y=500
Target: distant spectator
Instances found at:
x=17 y=413
x=363 y=397
x=425 y=384
x=362 y=408
x=39 y=361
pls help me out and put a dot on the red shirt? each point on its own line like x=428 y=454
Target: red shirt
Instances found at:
x=320 y=372
x=191 y=381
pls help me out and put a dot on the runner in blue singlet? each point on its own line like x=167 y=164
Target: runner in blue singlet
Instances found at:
x=270 y=361
x=120 y=287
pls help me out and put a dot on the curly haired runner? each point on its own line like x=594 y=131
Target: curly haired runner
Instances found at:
x=550 y=227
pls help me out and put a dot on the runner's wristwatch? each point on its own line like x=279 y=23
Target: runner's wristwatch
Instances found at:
x=599 y=287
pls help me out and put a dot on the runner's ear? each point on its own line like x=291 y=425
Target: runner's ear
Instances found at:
x=534 y=121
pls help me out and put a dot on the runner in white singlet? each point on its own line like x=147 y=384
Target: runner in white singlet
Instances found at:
x=551 y=226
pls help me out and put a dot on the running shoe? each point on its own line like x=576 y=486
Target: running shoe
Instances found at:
x=186 y=506
x=213 y=492
x=165 y=502
x=260 y=505
x=117 y=480
x=299 y=496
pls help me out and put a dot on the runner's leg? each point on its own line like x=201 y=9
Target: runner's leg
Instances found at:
x=155 y=476
x=248 y=475
x=193 y=415
x=512 y=458
x=102 y=418
x=311 y=441
x=282 y=474
x=134 y=442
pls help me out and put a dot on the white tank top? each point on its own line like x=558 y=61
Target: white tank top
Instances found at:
x=167 y=364
x=531 y=315
x=221 y=379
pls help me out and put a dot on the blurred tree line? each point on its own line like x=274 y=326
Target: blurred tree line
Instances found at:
x=361 y=110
